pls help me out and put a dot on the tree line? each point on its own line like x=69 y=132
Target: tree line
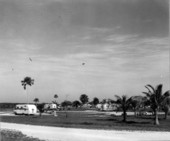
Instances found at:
x=153 y=97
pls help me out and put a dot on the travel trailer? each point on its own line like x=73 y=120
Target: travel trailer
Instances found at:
x=25 y=109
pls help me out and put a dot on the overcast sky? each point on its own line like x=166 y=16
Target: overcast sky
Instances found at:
x=100 y=48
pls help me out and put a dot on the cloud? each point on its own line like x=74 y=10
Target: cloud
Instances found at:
x=134 y=44
x=85 y=56
x=19 y=45
x=121 y=38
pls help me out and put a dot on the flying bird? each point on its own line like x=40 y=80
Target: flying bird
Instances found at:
x=30 y=59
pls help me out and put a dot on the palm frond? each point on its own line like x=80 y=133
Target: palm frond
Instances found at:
x=167 y=93
x=147 y=94
x=124 y=99
x=150 y=86
x=166 y=101
x=148 y=89
x=129 y=99
x=117 y=97
x=159 y=92
x=119 y=100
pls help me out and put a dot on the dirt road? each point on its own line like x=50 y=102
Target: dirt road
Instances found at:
x=70 y=134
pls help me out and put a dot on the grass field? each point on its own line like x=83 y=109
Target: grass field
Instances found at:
x=92 y=121
x=9 y=135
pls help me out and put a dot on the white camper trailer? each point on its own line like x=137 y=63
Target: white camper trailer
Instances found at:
x=25 y=109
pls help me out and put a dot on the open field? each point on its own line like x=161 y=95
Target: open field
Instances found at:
x=91 y=120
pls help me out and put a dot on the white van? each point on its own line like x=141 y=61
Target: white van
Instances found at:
x=25 y=109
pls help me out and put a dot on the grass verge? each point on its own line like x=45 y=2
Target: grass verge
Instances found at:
x=92 y=121
x=12 y=135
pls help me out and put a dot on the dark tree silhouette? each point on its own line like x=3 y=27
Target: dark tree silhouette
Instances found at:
x=76 y=103
x=55 y=96
x=84 y=98
x=36 y=100
x=104 y=101
x=156 y=99
x=66 y=103
x=166 y=103
x=95 y=101
x=40 y=107
x=27 y=81
x=138 y=102
x=55 y=101
x=124 y=104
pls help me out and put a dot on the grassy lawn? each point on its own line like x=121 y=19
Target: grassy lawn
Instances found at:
x=92 y=121
x=9 y=135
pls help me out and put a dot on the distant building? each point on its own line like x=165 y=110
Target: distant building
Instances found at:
x=50 y=106
x=106 y=106
x=86 y=105
x=99 y=106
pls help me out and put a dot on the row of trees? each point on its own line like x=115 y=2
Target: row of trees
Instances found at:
x=153 y=98
x=83 y=100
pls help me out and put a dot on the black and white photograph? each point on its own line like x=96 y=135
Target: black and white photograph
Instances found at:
x=84 y=70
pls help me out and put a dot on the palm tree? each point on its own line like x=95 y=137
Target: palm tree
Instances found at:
x=138 y=102
x=166 y=103
x=166 y=108
x=124 y=103
x=55 y=96
x=156 y=99
x=27 y=81
x=135 y=106
x=36 y=100
x=65 y=105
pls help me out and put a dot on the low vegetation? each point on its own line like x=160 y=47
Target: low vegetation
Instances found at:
x=11 y=135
